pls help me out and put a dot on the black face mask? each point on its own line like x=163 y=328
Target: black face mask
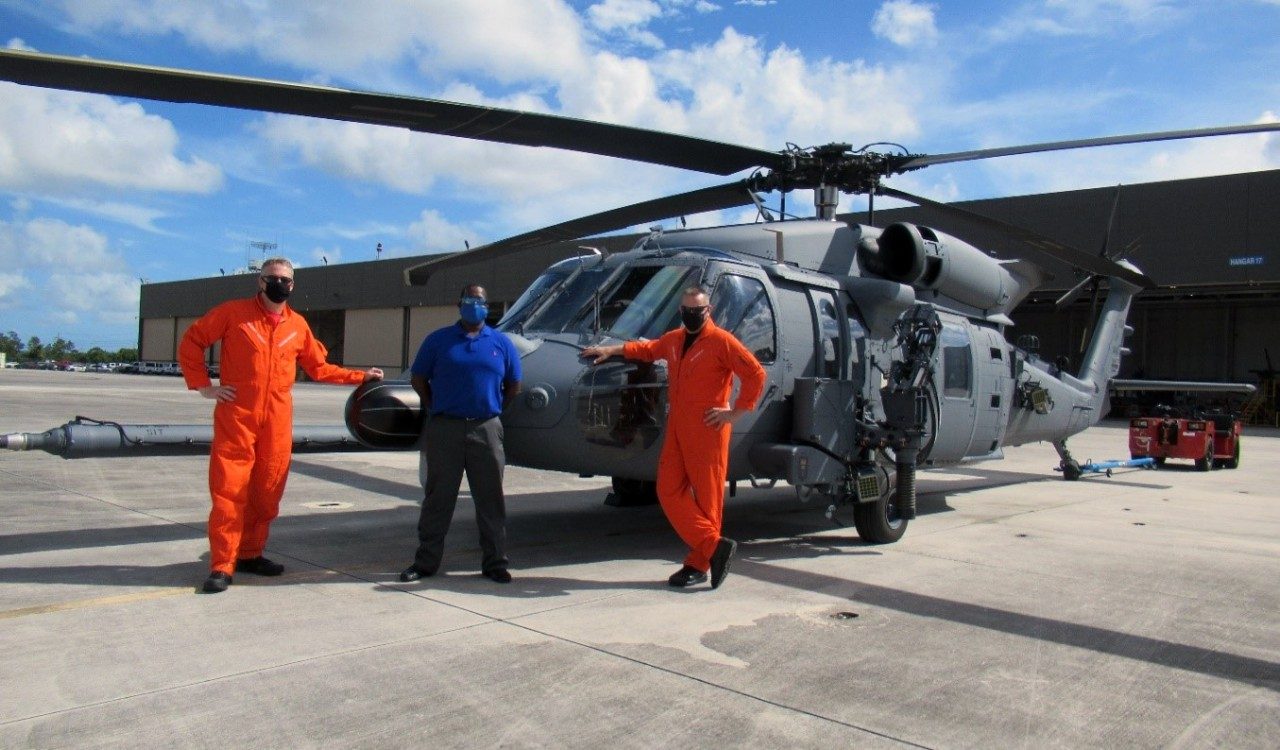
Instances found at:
x=693 y=319
x=277 y=291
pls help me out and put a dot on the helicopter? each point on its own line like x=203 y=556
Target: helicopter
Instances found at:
x=886 y=348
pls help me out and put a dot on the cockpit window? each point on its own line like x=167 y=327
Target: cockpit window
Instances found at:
x=520 y=310
x=565 y=303
x=645 y=302
x=628 y=302
x=740 y=305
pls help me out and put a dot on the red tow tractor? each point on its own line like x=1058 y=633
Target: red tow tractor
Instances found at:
x=1211 y=439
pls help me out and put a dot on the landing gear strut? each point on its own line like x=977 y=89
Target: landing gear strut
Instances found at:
x=1069 y=467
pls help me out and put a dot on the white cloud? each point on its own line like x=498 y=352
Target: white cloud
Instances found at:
x=141 y=217
x=70 y=270
x=741 y=93
x=54 y=244
x=905 y=23
x=55 y=142
x=1103 y=18
x=511 y=40
x=703 y=6
x=755 y=3
x=111 y=297
x=612 y=15
x=432 y=233
x=11 y=285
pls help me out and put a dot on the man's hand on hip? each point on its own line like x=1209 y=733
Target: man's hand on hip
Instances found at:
x=219 y=392
x=717 y=415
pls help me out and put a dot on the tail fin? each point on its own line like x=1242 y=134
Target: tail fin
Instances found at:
x=1102 y=360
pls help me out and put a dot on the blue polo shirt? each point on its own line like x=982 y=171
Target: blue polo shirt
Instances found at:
x=466 y=373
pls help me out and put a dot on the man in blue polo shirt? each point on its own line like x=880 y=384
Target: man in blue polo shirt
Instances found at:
x=465 y=374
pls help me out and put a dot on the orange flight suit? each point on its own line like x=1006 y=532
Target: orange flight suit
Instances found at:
x=253 y=435
x=695 y=458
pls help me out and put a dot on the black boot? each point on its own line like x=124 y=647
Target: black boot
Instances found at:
x=217 y=582
x=686 y=576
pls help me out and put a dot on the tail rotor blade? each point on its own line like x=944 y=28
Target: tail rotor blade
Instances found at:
x=1073 y=293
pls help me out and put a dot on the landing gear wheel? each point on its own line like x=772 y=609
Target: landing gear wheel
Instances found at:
x=632 y=493
x=1234 y=461
x=1206 y=463
x=1071 y=470
x=879 y=522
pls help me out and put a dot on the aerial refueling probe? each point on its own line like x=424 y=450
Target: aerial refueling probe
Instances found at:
x=91 y=438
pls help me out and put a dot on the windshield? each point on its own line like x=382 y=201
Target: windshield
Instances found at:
x=646 y=303
x=521 y=308
x=627 y=302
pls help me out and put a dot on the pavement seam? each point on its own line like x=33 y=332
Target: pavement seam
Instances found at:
x=711 y=684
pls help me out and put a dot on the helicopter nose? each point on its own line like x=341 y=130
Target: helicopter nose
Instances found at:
x=539 y=397
x=548 y=372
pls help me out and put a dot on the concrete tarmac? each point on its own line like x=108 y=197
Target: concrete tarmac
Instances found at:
x=1139 y=610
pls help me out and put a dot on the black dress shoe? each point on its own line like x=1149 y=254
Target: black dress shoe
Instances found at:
x=686 y=576
x=720 y=561
x=217 y=582
x=498 y=575
x=259 y=566
x=413 y=573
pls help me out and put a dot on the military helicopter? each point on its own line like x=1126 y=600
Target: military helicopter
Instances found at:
x=885 y=348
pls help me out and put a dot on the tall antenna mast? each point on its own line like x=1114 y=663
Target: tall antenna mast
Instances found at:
x=264 y=247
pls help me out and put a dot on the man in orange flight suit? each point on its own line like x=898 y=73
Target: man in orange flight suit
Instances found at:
x=701 y=362
x=263 y=342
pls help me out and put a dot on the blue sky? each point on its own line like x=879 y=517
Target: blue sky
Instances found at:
x=97 y=193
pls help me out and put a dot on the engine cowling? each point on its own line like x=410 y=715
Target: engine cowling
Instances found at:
x=929 y=260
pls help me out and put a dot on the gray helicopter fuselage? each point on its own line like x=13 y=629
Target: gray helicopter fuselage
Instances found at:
x=815 y=301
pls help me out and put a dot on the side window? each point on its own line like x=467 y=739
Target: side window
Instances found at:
x=828 y=319
x=857 y=345
x=741 y=307
x=957 y=362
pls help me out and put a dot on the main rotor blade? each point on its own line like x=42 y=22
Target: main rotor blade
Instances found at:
x=1114 y=140
x=1035 y=241
x=426 y=115
x=728 y=195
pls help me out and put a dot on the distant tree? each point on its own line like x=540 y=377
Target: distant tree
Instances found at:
x=96 y=355
x=60 y=349
x=125 y=355
x=35 y=349
x=11 y=345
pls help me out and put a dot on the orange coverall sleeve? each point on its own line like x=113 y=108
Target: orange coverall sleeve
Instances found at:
x=650 y=351
x=314 y=360
x=199 y=337
x=745 y=365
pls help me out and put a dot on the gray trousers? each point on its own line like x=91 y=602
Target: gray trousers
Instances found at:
x=451 y=447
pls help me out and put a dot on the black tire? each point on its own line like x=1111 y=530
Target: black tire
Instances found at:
x=1206 y=463
x=1160 y=460
x=1071 y=470
x=1234 y=461
x=632 y=493
x=878 y=522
